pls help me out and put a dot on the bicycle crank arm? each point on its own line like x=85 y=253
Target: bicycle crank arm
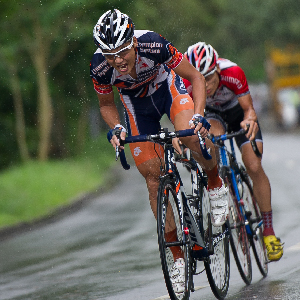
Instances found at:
x=193 y=228
x=172 y=244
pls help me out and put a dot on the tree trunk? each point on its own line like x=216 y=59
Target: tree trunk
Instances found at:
x=45 y=109
x=19 y=113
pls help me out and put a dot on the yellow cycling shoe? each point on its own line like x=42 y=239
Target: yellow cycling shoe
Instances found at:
x=274 y=247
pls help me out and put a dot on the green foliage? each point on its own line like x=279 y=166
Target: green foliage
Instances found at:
x=239 y=30
x=35 y=189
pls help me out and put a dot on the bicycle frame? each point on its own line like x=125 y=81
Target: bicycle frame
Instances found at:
x=225 y=155
x=185 y=212
x=164 y=138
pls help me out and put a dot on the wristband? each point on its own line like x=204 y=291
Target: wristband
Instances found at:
x=197 y=118
x=116 y=131
x=120 y=127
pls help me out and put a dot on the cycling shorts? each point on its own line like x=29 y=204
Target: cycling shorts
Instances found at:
x=143 y=114
x=231 y=119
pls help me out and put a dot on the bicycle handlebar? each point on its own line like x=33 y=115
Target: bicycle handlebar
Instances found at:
x=162 y=137
x=228 y=136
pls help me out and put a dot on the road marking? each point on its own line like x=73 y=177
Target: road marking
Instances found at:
x=294 y=248
x=168 y=297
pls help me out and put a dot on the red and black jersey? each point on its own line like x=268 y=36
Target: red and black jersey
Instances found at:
x=233 y=84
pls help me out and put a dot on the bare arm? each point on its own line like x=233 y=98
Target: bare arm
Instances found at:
x=250 y=116
x=108 y=109
x=187 y=71
x=110 y=114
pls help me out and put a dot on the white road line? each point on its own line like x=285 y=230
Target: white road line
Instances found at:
x=167 y=296
x=293 y=248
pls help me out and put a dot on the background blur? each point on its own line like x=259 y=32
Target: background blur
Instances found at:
x=48 y=108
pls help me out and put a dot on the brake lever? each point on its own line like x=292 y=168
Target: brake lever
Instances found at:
x=254 y=145
x=118 y=150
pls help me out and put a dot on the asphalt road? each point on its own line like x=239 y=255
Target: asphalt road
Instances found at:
x=108 y=249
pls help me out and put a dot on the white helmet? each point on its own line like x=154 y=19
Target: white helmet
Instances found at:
x=112 y=30
x=203 y=57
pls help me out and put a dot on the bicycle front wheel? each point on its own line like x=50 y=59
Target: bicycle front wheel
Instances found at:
x=217 y=265
x=239 y=242
x=256 y=228
x=172 y=241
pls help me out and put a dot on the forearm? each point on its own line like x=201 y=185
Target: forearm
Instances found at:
x=199 y=95
x=250 y=114
x=108 y=110
x=247 y=105
x=187 y=71
x=110 y=115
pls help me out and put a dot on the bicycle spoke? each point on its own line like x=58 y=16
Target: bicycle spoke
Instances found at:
x=257 y=242
x=238 y=239
x=172 y=240
x=217 y=266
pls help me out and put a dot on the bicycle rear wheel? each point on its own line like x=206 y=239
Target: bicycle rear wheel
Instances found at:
x=256 y=227
x=217 y=265
x=168 y=219
x=239 y=242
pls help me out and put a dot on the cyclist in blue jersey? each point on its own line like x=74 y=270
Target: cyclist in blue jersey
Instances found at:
x=147 y=71
x=229 y=96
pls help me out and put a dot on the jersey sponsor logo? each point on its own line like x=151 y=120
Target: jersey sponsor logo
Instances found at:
x=99 y=67
x=232 y=80
x=148 y=74
x=103 y=72
x=137 y=151
x=151 y=45
x=145 y=50
x=184 y=101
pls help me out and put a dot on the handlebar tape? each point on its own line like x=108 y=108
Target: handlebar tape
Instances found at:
x=189 y=132
x=123 y=160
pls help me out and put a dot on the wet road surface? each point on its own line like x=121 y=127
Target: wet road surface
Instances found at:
x=108 y=249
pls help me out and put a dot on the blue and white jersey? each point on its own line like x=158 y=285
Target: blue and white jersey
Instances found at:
x=155 y=57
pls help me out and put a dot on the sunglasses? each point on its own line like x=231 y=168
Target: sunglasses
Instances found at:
x=121 y=53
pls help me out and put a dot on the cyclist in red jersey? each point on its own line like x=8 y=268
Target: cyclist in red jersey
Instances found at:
x=229 y=105
x=147 y=71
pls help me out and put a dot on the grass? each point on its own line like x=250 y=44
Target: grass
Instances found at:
x=35 y=189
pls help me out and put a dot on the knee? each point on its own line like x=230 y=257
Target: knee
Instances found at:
x=192 y=142
x=151 y=172
x=254 y=168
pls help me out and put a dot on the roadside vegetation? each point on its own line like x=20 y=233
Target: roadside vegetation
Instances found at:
x=34 y=189
x=49 y=110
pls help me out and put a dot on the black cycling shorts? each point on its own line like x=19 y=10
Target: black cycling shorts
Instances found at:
x=231 y=119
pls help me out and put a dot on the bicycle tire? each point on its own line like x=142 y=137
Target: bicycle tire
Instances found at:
x=217 y=265
x=239 y=241
x=256 y=236
x=168 y=211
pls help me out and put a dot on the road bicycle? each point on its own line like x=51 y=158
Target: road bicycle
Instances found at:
x=246 y=225
x=189 y=214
